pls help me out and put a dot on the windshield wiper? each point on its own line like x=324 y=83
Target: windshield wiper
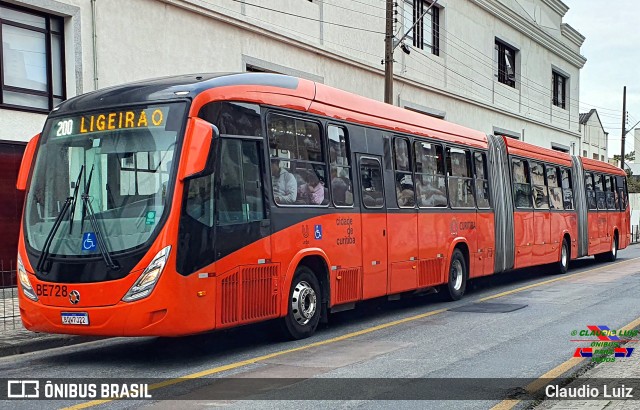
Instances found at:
x=56 y=224
x=75 y=196
x=102 y=243
x=86 y=192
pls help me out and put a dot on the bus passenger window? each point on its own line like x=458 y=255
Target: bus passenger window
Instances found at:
x=555 y=191
x=521 y=184
x=431 y=188
x=298 y=167
x=340 y=160
x=371 y=182
x=460 y=178
x=590 y=191
x=540 y=192
x=610 y=192
x=621 y=185
x=482 y=180
x=404 y=178
x=601 y=200
x=567 y=189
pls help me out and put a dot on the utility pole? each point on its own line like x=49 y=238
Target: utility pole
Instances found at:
x=388 y=55
x=624 y=124
x=390 y=45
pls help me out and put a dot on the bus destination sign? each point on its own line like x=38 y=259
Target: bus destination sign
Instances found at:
x=111 y=121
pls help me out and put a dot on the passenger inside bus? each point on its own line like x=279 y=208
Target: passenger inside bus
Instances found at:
x=285 y=188
x=312 y=191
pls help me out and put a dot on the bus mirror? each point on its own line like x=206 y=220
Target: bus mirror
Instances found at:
x=197 y=146
x=25 y=165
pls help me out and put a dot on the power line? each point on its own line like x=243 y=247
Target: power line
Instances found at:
x=303 y=17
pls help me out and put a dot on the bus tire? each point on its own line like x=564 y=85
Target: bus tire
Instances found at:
x=612 y=255
x=562 y=266
x=457 y=282
x=303 y=307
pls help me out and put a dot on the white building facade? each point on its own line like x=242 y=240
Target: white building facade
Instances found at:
x=594 y=138
x=500 y=66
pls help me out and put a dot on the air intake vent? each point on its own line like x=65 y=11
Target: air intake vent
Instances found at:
x=347 y=285
x=429 y=272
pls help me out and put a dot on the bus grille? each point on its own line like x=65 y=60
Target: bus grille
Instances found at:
x=347 y=285
x=429 y=272
x=249 y=294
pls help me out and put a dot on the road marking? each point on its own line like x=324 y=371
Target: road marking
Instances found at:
x=554 y=373
x=254 y=360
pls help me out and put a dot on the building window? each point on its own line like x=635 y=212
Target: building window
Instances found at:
x=32 y=59
x=559 y=87
x=506 y=58
x=584 y=153
x=426 y=34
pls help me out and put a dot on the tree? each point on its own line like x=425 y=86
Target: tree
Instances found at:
x=631 y=156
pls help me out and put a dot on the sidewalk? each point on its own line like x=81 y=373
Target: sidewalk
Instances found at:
x=619 y=370
x=15 y=339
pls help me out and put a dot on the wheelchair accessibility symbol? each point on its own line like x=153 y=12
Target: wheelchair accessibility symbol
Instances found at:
x=317 y=231
x=89 y=241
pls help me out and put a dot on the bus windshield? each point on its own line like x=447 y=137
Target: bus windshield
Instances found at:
x=119 y=162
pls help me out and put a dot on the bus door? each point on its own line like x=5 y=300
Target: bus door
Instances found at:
x=374 y=227
x=523 y=214
x=593 y=217
x=240 y=207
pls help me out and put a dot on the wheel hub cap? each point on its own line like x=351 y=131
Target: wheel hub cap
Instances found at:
x=456 y=274
x=303 y=303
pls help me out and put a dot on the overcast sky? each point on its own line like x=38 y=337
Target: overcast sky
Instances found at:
x=612 y=30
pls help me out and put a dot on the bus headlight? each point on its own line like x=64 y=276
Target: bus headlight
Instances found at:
x=23 y=276
x=147 y=281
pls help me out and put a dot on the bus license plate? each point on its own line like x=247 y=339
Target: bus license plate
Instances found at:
x=75 y=318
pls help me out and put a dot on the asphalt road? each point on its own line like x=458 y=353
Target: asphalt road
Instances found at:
x=528 y=333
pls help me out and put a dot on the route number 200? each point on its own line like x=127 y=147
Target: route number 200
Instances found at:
x=64 y=128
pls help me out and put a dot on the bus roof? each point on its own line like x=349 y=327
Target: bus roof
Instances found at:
x=523 y=149
x=599 y=166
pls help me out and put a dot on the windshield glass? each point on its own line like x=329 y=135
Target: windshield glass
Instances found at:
x=123 y=159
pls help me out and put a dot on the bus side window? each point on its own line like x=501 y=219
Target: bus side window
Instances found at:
x=298 y=167
x=404 y=178
x=555 y=192
x=431 y=188
x=199 y=203
x=567 y=189
x=460 y=178
x=340 y=160
x=371 y=182
x=521 y=184
x=540 y=192
x=621 y=184
x=240 y=190
x=601 y=201
x=482 y=180
x=610 y=192
x=590 y=191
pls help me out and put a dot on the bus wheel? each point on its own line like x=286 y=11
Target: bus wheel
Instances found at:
x=457 y=276
x=563 y=264
x=304 y=305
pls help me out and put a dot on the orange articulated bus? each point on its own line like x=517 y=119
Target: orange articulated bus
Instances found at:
x=185 y=204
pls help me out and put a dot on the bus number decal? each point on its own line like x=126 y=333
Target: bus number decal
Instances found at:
x=64 y=128
x=52 y=290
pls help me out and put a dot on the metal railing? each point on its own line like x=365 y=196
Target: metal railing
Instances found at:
x=9 y=311
x=635 y=234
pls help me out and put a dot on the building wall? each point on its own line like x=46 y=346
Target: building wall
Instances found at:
x=594 y=139
x=151 y=38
